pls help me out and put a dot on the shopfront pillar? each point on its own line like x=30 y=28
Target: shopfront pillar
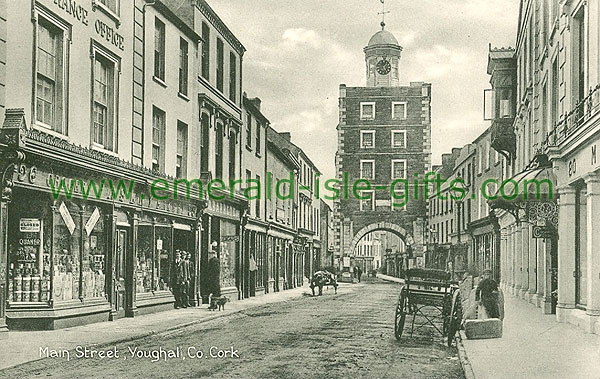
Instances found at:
x=513 y=257
x=509 y=256
x=593 y=244
x=525 y=258
x=194 y=283
x=566 y=249
x=531 y=264
x=539 y=270
x=518 y=259
x=110 y=224
x=5 y=199
x=547 y=274
x=130 y=266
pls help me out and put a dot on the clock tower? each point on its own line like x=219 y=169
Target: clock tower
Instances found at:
x=384 y=139
x=382 y=57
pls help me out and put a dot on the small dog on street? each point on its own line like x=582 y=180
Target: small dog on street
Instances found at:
x=217 y=302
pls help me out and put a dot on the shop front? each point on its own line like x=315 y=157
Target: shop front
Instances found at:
x=222 y=232
x=279 y=241
x=485 y=250
x=86 y=255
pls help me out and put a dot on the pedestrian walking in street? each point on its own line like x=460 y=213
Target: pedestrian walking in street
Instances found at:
x=487 y=297
x=214 y=272
x=358 y=273
x=253 y=268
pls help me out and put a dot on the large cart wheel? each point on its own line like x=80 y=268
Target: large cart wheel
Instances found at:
x=455 y=317
x=400 y=317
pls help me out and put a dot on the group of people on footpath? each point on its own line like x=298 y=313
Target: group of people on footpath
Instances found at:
x=182 y=289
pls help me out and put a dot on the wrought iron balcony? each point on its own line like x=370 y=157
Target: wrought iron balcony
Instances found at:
x=576 y=119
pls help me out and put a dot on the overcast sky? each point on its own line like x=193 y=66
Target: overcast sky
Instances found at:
x=299 y=51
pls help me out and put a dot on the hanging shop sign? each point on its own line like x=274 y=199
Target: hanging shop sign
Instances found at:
x=89 y=226
x=66 y=216
x=230 y=238
x=29 y=225
x=543 y=231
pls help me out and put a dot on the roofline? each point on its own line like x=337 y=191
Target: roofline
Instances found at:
x=214 y=19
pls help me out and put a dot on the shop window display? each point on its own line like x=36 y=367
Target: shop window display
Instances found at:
x=144 y=269
x=66 y=257
x=28 y=252
x=94 y=253
x=163 y=258
x=227 y=251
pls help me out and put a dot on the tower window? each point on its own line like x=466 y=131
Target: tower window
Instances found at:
x=399 y=138
x=399 y=110
x=367 y=202
x=367 y=111
x=367 y=169
x=398 y=169
x=367 y=139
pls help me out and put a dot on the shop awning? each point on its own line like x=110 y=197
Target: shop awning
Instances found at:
x=531 y=190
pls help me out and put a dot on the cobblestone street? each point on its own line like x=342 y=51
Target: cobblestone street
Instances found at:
x=338 y=336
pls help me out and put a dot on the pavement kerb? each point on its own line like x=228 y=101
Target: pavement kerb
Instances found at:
x=462 y=355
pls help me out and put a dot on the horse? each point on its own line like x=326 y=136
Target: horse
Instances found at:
x=322 y=278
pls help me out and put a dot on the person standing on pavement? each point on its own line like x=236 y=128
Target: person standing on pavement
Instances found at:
x=190 y=267
x=178 y=282
x=358 y=273
x=487 y=297
x=253 y=268
x=214 y=272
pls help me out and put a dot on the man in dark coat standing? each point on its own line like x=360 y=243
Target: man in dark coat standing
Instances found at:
x=487 y=294
x=214 y=272
x=181 y=278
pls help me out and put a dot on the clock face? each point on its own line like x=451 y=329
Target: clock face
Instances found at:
x=384 y=67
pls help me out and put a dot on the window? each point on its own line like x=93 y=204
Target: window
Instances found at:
x=399 y=110
x=257 y=201
x=258 y=136
x=367 y=111
x=505 y=103
x=368 y=204
x=50 y=91
x=367 y=139
x=399 y=138
x=205 y=51
x=248 y=130
x=367 y=169
x=398 y=169
x=232 y=77
x=183 y=67
x=219 y=151
x=204 y=146
x=158 y=139
x=220 y=64
x=111 y=5
x=580 y=56
x=554 y=100
x=103 y=108
x=399 y=200
x=487 y=155
x=159 y=49
x=232 y=143
x=181 y=160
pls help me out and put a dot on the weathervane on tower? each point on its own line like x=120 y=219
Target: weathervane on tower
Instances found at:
x=382 y=13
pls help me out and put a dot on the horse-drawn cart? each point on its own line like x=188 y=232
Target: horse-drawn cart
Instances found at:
x=430 y=295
